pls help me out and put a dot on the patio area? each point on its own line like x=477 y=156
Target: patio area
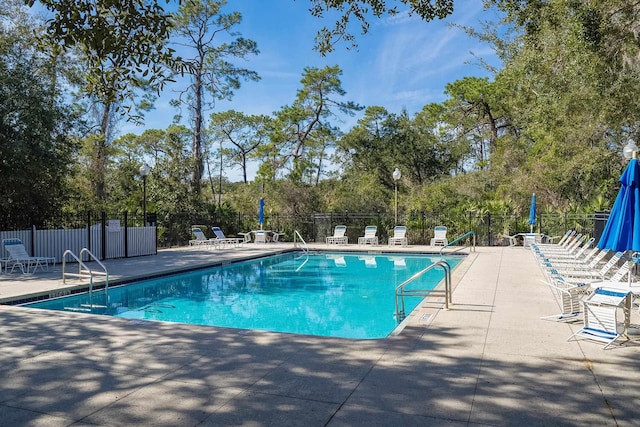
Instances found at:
x=489 y=360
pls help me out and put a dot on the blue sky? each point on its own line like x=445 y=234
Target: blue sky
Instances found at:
x=402 y=63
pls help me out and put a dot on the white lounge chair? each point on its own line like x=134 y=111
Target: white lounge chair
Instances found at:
x=570 y=299
x=601 y=311
x=221 y=239
x=369 y=237
x=439 y=236
x=18 y=257
x=339 y=237
x=399 y=236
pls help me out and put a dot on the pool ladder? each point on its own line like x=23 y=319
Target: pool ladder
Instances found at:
x=401 y=292
x=85 y=272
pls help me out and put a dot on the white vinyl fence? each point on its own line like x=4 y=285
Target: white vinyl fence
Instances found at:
x=105 y=242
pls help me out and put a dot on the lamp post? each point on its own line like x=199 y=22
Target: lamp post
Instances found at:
x=630 y=150
x=144 y=171
x=396 y=176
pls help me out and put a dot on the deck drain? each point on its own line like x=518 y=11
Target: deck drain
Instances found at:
x=425 y=318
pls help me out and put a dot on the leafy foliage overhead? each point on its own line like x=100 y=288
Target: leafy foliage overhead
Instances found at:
x=364 y=10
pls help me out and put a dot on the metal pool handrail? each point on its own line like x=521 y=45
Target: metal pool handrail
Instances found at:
x=82 y=267
x=465 y=235
x=401 y=292
x=305 y=247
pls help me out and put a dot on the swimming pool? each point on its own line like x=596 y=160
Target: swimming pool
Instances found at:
x=349 y=295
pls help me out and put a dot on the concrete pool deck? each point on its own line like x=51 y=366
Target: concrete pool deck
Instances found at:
x=488 y=361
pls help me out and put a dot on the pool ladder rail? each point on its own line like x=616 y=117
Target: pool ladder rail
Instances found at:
x=85 y=272
x=296 y=236
x=471 y=245
x=401 y=292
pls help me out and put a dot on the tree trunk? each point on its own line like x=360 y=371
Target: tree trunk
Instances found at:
x=197 y=134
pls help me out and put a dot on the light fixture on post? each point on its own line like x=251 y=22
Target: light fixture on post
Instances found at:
x=396 y=177
x=144 y=172
x=630 y=150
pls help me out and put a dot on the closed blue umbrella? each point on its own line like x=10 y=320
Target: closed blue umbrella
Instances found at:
x=622 y=230
x=261 y=212
x=532 y=212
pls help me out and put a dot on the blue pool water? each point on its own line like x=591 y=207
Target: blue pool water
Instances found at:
x=347 y=295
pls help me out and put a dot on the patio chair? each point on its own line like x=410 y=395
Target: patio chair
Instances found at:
x=513 y=240
x=18 y=257
x=570 y=299
x=275 y=236
x=439 y=236
x=260 y=236
x=369 y=237
x=399 y=236
x=200 y=238
x=221 y=239
x=339 y=237
x=601 y=311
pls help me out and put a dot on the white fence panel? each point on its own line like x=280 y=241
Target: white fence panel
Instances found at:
x=115 y=243
x=53 y=243
x=142 y=241
x=95 y=246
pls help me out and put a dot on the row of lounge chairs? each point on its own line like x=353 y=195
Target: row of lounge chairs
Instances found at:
x=370 y=238
x=578 y=272
x=222 y=241
x=219 y=241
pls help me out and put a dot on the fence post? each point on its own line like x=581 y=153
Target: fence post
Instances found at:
x=489 y=239
x=88 y=230
x=103 y=232
x=126 y=235
x=33 y=240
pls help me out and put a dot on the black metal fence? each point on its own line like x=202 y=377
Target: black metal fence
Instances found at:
x=174 y=229
x=490 y=229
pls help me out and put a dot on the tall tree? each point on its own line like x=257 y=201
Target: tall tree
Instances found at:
x=303 y=129
x=122 y=46
x=35 y=126
x=208 y=34
x=475 y=112
x=239 y=136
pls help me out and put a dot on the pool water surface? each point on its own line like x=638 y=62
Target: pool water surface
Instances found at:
x=348 y=295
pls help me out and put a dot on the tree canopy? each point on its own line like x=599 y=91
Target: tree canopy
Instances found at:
x=552 y=120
